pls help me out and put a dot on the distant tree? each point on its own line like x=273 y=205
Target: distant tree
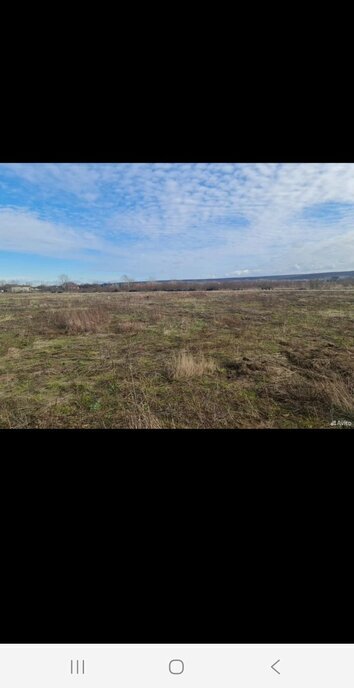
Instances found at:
x=63 y=279
x=64 y=282
x=150 y=284
x=128 y=281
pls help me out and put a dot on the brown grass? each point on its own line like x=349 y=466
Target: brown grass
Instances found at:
x=129 y=326
x=186 y=365
x=304 y=395
x=77 y=321
x=144 y=420
x=222 y=360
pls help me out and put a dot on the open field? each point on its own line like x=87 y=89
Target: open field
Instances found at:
x=224 y=359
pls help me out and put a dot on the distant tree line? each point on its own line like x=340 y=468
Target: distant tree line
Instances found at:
x=129 y=285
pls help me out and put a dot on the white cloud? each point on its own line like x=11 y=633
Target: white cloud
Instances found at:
x=219 y=218
x=78 y=179
x=24 y=232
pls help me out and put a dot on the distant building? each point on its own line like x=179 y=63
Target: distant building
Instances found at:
x=17 y=289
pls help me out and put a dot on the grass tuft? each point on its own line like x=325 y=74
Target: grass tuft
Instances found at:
x=186 y=365
x=78 y=321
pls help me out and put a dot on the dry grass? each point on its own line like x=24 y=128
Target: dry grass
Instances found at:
x=77 y=321
x=340 y=395
x=248 y=359
x=308 y=396
x=144 y=420
x=129 y=326
x=186 y=365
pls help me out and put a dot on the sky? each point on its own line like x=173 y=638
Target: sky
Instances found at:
x=98 y=222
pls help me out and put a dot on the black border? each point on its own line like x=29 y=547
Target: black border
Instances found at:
x=263 y=519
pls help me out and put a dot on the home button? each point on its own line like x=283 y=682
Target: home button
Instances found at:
x=176 y=666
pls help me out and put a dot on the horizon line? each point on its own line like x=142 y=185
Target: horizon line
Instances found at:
x=192 y=279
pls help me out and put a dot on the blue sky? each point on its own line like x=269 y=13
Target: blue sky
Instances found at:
x=97 y=222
